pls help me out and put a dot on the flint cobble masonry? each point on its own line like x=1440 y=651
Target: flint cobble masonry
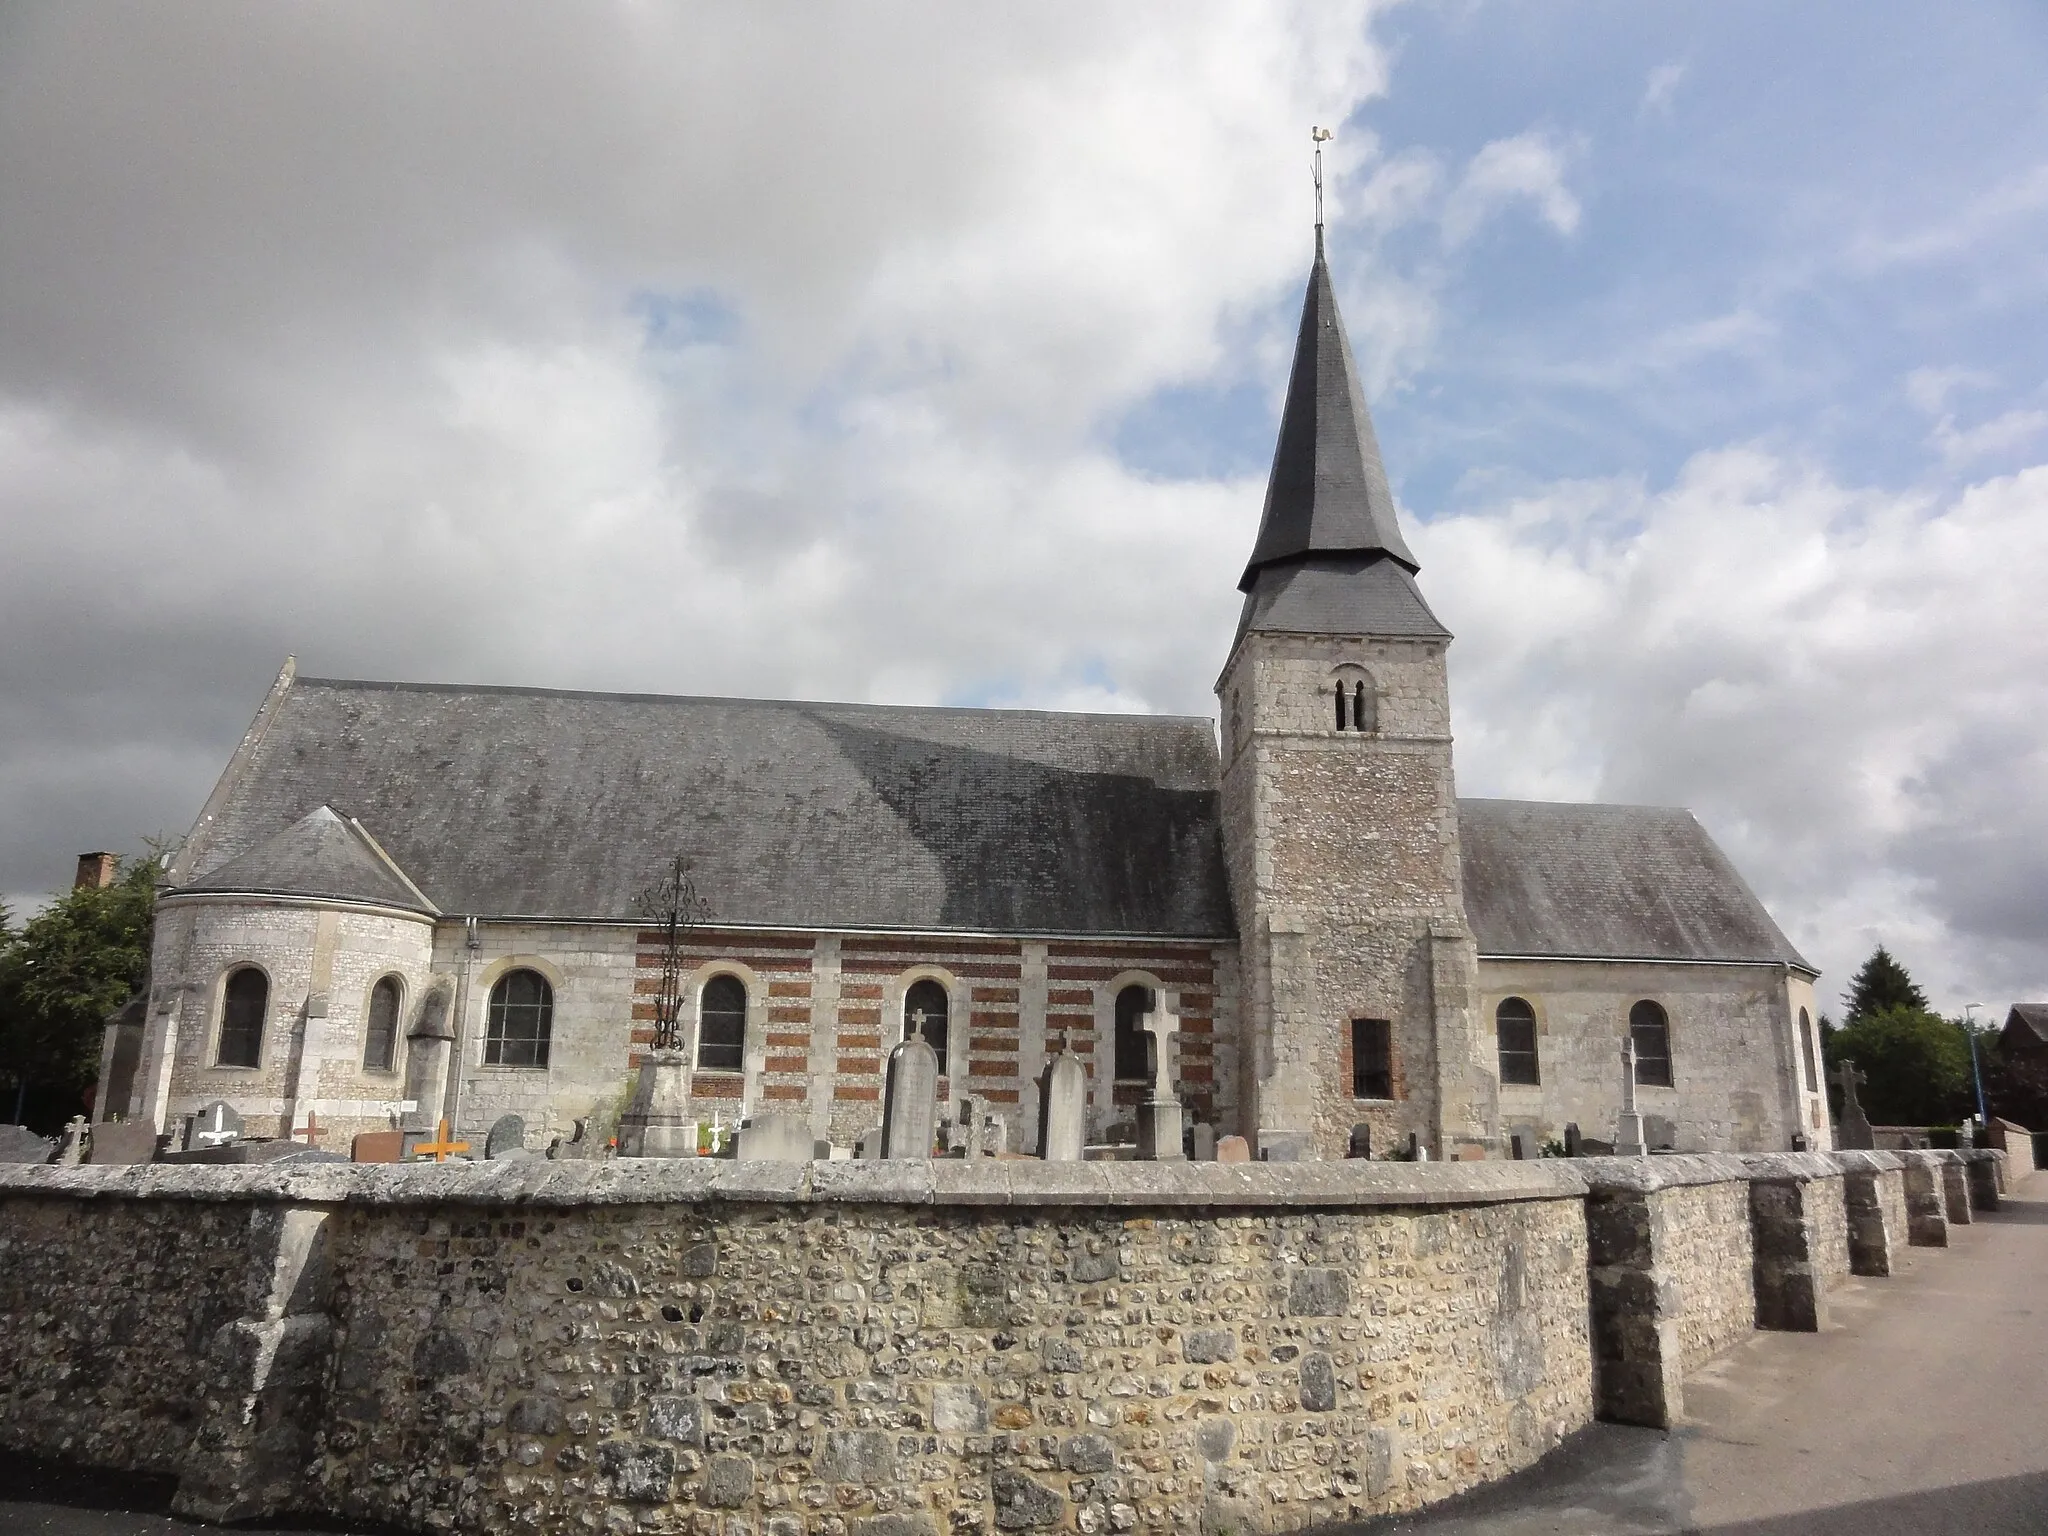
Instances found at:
x=846 y=1349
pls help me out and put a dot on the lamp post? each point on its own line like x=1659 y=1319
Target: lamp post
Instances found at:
x=1976 y=1073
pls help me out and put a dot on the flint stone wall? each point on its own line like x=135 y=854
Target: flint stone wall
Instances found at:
x=827 y=1349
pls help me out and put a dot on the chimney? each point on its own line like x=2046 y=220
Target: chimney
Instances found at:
x=95 y=871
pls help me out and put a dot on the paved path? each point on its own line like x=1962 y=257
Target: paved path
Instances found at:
x=1922 y=1410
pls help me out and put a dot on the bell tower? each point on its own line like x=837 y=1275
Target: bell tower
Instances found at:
x=1340 y=815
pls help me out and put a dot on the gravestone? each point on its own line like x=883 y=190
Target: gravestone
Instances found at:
x=214 y=1126
x=910 y=1111
x=378 y=1147
x=655 y=1124
x=1282 y=1147
x=1854 y=1134
x=1660 y=1133
x=1417 y=1152
x=1628 y=1131
x=1572 y=1145
x=1202 y=1142
x=506 y=1138
x=19 y=1144
x=1159 y=1117
x=123 y=1141
x=72 y=1149
x=1519 y=1145
x=776 y=1139
x=1062 y=1109
x=1360 y=1143
x=869 y=1148
x=1233 y=1149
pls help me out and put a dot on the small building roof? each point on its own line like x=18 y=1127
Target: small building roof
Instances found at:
x=322 y=855
x=1608 y=882
x=524 y=802
x=2027 y=1025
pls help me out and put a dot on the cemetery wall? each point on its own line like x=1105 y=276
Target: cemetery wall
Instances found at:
x=867 y=1349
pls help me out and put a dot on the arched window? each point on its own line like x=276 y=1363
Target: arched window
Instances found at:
x=380 y=1027
x=722 y=1025
x=1133 y=1042
x=1806 y=1051
x=1357 y=701
x=1514 y=1024
x=244 y=1001
x=924 y=1011
x=520 y=1018
x=1651 y=1031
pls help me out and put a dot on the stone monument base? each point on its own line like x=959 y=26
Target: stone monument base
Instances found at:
x=1159 y=1132
x=657 y=1124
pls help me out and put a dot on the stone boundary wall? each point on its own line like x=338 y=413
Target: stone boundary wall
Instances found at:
x=864 y=1349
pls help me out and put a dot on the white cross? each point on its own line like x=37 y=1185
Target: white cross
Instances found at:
x=1160 y=1023
x=217 y=1134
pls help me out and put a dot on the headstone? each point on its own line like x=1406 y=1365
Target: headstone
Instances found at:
x=910 y=1108
x=1233 y=1149
x=1283 y=1147
x=1855 y=1134
x=1202 y=1142
x=1519 y=1145
x=995 y=1136
x=971 y=1109
x=1062 y=1109
x=378 y=1147
x=777 y=1139
x=1628 y=1131
x=1360 y=1143
x=72 y=1149
x=823 y=1151
x=507 y=1136
x=869 y=1148
x=1660 y=1133
x=19 y=1144
x=123 y=1141
x=1160 y=1117
x=215 y=1125
x=1572 y=1145
x=658 y=1123
x=1417 y=1152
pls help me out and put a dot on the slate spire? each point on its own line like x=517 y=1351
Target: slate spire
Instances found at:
x=1327 y=495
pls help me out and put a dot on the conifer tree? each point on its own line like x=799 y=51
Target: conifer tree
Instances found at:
x=1880 y=986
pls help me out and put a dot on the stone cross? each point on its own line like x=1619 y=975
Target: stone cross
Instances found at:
x=910 y=1107
x=440 y=1148
x=1062 y=1109
x=1628 y=1130
x=73 y=1149
x=1856 y=1133
x=1159 y=1117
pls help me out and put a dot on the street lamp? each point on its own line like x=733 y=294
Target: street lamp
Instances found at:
x=1976 y=1073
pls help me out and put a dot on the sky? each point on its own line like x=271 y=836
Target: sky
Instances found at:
x=932 y=354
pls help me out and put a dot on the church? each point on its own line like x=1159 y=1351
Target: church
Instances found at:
x=405 y=902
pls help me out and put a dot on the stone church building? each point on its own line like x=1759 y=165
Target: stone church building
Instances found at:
x=405 y=901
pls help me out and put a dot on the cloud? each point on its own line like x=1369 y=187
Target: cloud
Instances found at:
x=1808 y=665
x=1661 y=89
x=1529 y=168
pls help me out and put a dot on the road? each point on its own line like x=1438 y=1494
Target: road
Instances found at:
x=1922 y=1410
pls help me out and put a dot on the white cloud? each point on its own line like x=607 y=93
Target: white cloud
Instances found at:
x=1661 y=89
x=1840 y=682
x=1528 y=168
x=2009 y=432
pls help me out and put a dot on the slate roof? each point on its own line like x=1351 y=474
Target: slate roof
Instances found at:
x=1610 y=881
x=2027 y=1025
x=511 y=802
x=1327 y=493
x=320 y=854
x=1344 y=595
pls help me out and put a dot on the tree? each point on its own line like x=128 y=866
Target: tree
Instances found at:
x=1917 y=1065
x=1882 y=984
x=61 y=974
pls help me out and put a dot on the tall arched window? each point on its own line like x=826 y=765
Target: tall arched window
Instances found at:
x=1651 y=1031
x=244 y=1001
x=1133 y=1045
x=520 y=1018
x=722 y=1025
x=924 y=1011
x=380 y=1027
x=1357 y=701
x=1514 y=1024
x=1806 y=1051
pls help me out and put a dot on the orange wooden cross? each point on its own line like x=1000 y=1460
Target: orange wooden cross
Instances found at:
x=310 y=1130
x=441 y=1147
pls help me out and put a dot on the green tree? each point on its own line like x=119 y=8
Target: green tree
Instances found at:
x=61 y=974
x=1917 y=1064
x=1880 y=986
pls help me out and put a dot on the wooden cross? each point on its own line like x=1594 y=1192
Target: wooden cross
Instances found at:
x=441 y=1147
x=310 y=1130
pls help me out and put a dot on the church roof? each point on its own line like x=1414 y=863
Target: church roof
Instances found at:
x=1343 y=595
x=321 y=854
x=517 y=802
x=1608 y=881
x=1328 y=493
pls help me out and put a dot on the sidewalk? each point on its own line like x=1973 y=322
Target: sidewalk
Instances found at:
x=1922 y=1410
